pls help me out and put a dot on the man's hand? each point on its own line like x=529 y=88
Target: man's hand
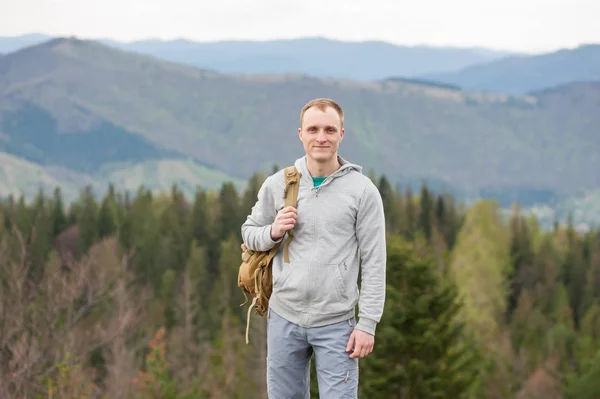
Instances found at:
x=362 y=342
x=284 y=221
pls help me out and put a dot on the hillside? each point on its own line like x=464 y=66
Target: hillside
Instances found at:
x=20 y=176
x=163 y=174
x=522 y=74
x=81 y=105
x=369 y=60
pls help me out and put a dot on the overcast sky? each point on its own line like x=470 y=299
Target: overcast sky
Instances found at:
x=518 y=25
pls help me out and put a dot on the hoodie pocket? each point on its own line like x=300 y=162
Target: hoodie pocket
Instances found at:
x=328 y=289
x=343 y=294
x=280 y=276
x=289 y=284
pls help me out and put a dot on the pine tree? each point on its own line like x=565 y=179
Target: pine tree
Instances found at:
x=175 y=238
x=584 y=384
x=108 y=218
x=560 y=336
x=59 y=217
x=199 y=228
x=588 y=341
x=410 y=214
x=591 y=292
x=425 y=211
x=421 y=349
x=521 y=254
x=251 y=194
x=387 y=196
x=229 y=221
x=399 y=212
x=140 y=234
x=87 y=220
x=449 y=218
x=574 y=271
x=22 y=219
x=41 y=237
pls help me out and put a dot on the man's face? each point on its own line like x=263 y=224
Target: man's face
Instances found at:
x=321 y=133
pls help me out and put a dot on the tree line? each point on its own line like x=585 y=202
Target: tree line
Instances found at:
x=134 y=295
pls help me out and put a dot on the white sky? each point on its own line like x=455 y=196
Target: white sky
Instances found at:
x=518 y=25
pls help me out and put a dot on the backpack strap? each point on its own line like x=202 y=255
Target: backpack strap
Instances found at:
x=292 y=183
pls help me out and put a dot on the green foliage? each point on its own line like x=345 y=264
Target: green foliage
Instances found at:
x=59 y=218
x=87 y=220
x=69 y=381
x=480 y=267
x=108 y=214
x=422 y=350
x=584 y=385
x=477 y=305
x=230 y=218
x=157 y=382
x=229 y=375
x=199 y=227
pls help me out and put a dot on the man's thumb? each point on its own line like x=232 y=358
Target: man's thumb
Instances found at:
x=350 y=342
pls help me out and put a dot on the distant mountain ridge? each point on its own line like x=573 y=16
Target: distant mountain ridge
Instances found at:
x=473 y=69
x=319 y=57
x=524 y=74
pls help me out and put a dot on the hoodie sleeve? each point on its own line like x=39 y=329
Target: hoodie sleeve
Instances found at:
x=256 y=230
x=370 y=231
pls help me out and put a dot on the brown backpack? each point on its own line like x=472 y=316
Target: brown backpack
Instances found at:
x=255 y=275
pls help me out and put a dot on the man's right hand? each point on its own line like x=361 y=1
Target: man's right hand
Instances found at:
x=284 y=221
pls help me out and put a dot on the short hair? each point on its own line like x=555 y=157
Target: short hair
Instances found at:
x=322 y=104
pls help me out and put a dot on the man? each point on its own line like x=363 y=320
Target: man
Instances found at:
x=338 y=225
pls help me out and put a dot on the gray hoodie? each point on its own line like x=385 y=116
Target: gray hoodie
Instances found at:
x=340 y=227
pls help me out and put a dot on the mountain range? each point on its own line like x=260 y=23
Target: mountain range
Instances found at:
x=82 y=112
x=320 y=57
x=520 y=74
x=472 y=69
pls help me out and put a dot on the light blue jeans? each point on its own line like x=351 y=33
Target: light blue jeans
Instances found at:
x=289 y=351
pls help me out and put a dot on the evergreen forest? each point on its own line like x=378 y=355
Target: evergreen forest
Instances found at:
x=134 y=295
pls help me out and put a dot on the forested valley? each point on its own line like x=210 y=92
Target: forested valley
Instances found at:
x=134 y=295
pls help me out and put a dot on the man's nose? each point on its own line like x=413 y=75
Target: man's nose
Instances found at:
x=321 y=136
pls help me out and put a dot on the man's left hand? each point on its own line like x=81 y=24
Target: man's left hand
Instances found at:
x=362 y=342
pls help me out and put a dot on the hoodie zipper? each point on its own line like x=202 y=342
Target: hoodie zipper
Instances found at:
x=328 y=180
x=338 y=173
